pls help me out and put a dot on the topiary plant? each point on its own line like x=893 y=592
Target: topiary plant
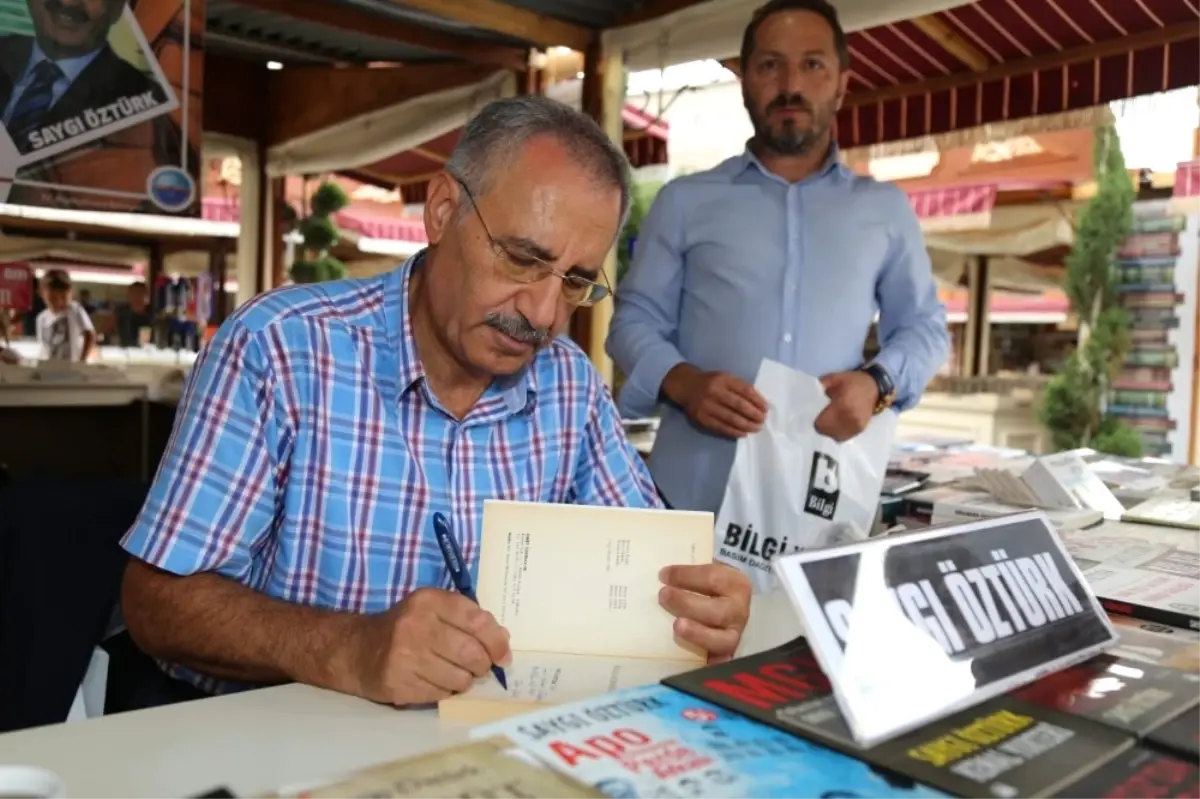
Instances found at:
x=1074 y=400
x=320 y=234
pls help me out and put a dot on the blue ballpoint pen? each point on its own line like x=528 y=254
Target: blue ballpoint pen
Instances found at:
x=459 y=574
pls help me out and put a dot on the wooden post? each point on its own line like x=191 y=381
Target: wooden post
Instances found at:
x=154 y=268
x=978 y=329
x=218 y=252
x=277 y=230
x=529 y=80
x=262 y=221
x=1194 y=427
x=603 y=97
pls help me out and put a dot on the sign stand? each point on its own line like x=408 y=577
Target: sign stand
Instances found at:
x=912 y=628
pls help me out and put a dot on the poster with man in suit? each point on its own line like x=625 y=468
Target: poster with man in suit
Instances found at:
x=82 y=89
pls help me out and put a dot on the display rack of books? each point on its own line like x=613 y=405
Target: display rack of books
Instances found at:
x=1149 y=292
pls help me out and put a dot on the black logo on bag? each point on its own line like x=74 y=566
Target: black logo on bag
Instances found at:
x=823 y=487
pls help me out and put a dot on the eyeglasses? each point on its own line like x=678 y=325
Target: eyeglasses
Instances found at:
x=527 y=269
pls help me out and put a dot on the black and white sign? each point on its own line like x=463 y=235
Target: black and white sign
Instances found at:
x=913 y=627
x=823 y=487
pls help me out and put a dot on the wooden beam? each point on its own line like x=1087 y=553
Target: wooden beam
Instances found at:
x=372 y=177
x=500 y=17
x=308 y=99
x=956 y=45
x=413 y=180
x=348 y=18
x=437 y=158
x=1025 y=66
x=235 y=96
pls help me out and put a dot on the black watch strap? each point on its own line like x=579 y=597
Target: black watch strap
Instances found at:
x=885 y=384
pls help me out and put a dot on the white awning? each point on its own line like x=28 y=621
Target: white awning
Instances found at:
x=152 y=224
x=1014 y=230
x=380 y=134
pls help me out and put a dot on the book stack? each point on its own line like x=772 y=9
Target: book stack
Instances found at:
x=769 y=725
x=1150 y=572
x=994 y=708
x=982 y=666
x=1146 y=282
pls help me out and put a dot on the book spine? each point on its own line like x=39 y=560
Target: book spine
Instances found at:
x=1171 y=618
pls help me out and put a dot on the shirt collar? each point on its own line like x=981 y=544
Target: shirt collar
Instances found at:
x=516 y=391
x=71 y=67
x=832 y=165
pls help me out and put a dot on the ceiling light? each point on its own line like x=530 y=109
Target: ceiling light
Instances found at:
x=274 y=65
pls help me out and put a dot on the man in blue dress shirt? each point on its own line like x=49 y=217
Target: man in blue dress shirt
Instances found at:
x=781 y=253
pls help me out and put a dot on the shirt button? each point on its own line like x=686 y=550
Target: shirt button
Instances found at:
x=787 y=338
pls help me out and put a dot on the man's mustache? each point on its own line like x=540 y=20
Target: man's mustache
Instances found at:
x=519 y=328
x=797 y=101
x=73 y=13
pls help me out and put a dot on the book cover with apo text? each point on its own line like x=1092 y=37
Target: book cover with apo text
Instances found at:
x=656 y=742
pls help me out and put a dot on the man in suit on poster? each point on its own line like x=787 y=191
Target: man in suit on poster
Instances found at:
x=66 y=81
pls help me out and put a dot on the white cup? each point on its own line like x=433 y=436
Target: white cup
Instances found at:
x=29 y=782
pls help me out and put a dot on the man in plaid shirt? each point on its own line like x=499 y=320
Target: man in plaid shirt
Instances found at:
x=288 y=533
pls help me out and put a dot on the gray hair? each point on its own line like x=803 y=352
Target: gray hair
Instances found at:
x=494 y=137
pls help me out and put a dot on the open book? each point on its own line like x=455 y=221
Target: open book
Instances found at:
x=577 y=588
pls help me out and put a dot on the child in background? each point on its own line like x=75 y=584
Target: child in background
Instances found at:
x=64 y=329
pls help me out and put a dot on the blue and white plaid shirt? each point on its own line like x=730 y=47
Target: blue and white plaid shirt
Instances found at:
x=309 y=455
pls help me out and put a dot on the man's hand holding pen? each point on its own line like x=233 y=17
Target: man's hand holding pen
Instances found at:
x=430 y=646
x=437 y=643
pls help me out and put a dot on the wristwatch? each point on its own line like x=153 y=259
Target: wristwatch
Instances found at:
x=883 y=381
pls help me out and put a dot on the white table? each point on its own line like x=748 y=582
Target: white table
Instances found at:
x=251 y=743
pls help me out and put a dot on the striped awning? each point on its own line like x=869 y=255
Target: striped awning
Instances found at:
x=1046 y=308
x=951 y=77
x=226 y=209
x=954 y=208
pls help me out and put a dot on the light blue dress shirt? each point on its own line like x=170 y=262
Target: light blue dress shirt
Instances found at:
x=735 y=265
x=71 y=67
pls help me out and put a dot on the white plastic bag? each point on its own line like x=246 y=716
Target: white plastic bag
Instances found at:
x=790 y=486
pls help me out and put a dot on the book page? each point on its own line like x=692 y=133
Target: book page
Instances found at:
x=554 y=678
x=584 y=580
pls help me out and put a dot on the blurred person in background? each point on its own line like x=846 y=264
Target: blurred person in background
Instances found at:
x=132 y=316
x=64 y=328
